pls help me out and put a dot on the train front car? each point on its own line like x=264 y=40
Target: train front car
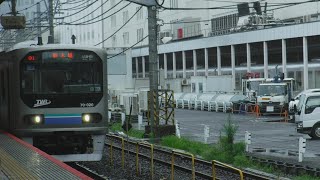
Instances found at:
x=62 y=104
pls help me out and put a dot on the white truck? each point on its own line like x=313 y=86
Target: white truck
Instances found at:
x=250 y=87
x=308 y=112
x=274 y=97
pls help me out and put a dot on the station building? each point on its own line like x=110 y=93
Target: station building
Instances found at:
x=229 y=42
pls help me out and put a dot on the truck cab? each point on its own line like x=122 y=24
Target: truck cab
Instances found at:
x=273 y=97
x=308 y=112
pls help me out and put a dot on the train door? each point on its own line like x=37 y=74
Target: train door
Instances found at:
x=4 y=99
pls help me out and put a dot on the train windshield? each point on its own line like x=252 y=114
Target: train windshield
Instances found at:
x=61 y=72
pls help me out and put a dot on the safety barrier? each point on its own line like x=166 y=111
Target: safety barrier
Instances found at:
x=283 y=112
x=122 y=150
x=151 y=159
x=173 y=156
x=186 y=154
x=214 y=162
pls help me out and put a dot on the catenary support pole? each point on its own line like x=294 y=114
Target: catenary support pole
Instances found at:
x=153 y=54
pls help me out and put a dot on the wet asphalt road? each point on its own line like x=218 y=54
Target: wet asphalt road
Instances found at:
x=280 y=138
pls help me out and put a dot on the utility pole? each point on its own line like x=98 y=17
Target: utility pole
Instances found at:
x=153 y=59
x=38 y=20
x=13 y=8
x=51 y=35
x=153 y=66
x=39 y=24
x=102 y=24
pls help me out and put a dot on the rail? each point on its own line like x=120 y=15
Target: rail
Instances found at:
x=172 y=163
x=214 y=162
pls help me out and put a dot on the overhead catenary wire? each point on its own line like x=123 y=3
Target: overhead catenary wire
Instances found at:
x=88 y=22
x=89 y=13
x=94 y=11
x=80 y=10
x=128 y=47
x=79 y=6
x=231 y=6
x=74 y=1
x=120 y=27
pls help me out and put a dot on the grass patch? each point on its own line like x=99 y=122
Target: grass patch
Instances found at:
x=305 y=177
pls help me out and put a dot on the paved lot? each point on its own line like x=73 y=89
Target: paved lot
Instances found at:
x=275 y=139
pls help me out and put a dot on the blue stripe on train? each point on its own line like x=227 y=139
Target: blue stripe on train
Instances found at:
x=49 y=119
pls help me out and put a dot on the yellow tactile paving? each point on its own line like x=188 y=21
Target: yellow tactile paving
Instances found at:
x=12 y=168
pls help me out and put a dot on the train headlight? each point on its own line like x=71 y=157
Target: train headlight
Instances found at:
x=86 y=118
x=34 y=119
x=37 y=119
x=91 y=118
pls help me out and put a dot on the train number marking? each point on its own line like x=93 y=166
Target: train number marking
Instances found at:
x=86 y=104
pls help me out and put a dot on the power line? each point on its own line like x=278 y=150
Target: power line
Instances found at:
x=73 y=2
x=75 y=7
x=232 y=6
x=79 y=10
x=70 y=23
x=121 y=26
x=88 y=22
x=128 y=47
x=91 y=13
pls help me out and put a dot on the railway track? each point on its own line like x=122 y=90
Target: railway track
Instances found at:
x=87 y=171
x=179 y=163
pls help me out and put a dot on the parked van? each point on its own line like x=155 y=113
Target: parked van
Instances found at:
x=294 y=102
x=308 y=114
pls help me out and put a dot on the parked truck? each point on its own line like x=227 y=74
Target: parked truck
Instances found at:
x=274 y=95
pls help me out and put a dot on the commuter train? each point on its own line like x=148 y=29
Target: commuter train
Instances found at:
x=52 y=96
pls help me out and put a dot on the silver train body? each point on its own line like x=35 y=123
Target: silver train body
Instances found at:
x=52 y=96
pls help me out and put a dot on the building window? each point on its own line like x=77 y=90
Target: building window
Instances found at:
x=126 y=38
x=139 y=34
x=125 y=16
x=193 y=87
x=173 y=3
x=200 y=87
x=92 y=35
x=140 y=13
x=114 y=41
x=113 y=21
x=27 y=15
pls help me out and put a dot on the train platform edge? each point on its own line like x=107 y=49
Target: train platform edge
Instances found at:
x=20 y=160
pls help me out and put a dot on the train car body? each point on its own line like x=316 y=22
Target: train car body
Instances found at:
x=52 y=96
